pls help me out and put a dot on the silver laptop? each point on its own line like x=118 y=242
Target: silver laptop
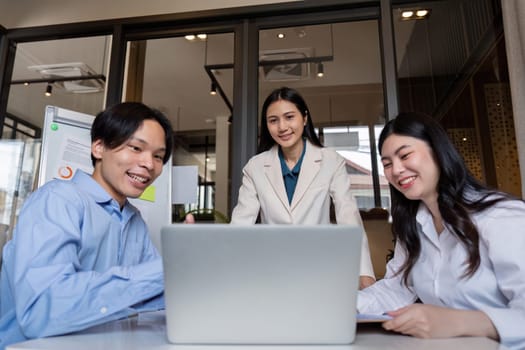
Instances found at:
x=261 y=284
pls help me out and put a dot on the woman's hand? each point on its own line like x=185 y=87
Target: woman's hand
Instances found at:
x=430 y=321
x=189 y=219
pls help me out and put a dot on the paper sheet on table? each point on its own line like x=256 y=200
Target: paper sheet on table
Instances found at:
x=370 y=318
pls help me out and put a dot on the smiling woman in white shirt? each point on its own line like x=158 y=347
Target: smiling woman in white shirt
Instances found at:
x=459 y=245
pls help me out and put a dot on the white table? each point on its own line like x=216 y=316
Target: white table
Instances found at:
x=148 y=331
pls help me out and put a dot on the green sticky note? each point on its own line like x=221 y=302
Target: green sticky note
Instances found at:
x=148 y=194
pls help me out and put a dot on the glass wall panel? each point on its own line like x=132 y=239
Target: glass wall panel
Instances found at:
x=19 y=161
x=433 y=50
x=194 y=88
x=68 y=73
x=346 y=100
x=452 y=64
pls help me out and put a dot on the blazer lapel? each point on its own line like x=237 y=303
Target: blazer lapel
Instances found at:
x=272 y=170
x=309 y=169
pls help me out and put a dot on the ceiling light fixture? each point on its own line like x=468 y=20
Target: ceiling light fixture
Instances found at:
x=49 y=90
x=320 y=69
x=407 y=15
x=193 y=37
x=281 y=35
x=213 y=89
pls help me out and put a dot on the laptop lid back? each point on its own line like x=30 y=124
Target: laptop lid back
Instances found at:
x=261 y=284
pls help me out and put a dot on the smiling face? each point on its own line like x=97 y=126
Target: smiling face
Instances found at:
x=285 y=124
x=126 y=170
x=410 y=167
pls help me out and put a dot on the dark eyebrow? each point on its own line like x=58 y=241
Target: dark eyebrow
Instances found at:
x=399 y=149
x=144 y=142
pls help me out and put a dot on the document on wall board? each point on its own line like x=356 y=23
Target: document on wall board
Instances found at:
x=75 y=153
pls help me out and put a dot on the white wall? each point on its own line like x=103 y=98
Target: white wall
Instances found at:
x=28 y=13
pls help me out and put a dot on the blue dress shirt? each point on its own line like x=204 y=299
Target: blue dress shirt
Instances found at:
x=290 y=177
x=76 y=260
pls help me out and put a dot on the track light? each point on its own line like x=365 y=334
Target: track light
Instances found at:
x=320 y=70
x=49 y=90
x=213 y=89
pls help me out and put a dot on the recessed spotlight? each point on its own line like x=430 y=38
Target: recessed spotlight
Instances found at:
x=202 y=36
x=415 y=14
x=407 y=14
x=190 y=37
x=281 y=35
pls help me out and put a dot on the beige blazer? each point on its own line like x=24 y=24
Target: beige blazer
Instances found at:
x=323 y=176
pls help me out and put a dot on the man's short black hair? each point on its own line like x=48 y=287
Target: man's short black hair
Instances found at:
x=116 y=124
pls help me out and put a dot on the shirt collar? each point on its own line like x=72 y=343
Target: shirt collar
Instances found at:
x=426 y=224
x=99 y=194
x=297 y=168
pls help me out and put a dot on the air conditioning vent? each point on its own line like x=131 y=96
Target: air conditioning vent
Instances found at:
x=72 y=69
x=285 y=69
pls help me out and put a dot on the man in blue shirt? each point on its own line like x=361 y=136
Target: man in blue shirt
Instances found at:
x=81 y=254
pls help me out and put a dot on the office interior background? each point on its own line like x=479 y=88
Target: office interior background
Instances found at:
x=209 y=65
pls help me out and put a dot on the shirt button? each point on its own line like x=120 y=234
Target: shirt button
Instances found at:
x=103 y=310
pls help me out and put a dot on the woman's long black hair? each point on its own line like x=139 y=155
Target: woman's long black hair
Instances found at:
x=287 y=94
x=459 y=194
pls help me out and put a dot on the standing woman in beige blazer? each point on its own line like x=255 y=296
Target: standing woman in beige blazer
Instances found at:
x=293 y=178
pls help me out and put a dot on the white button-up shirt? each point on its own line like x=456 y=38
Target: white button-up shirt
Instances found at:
x=497 y=287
